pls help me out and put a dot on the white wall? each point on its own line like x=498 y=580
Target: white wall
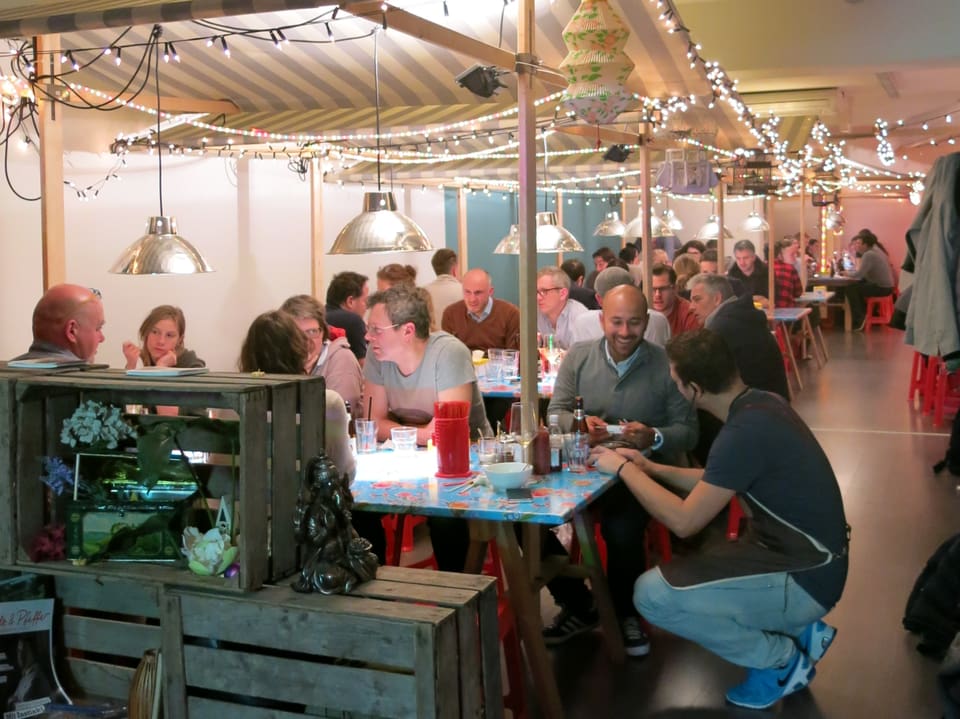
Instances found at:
x=250 y=219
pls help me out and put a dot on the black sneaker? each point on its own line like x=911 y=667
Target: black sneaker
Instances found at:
x=635 y=641
x=569 y=624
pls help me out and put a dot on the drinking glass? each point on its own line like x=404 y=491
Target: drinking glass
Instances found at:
x=487 y=450
x=404 y=439
x=366 y=435
x=523 y=427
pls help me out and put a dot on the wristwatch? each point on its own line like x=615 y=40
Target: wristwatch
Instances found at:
x=657 y=440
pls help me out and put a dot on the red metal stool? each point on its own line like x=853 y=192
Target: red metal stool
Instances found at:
x=882 y=317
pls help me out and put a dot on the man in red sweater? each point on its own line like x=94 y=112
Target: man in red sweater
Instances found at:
x=479 y=320
x=663 y=289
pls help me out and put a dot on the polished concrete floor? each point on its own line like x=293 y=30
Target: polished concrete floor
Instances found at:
x=882 y=451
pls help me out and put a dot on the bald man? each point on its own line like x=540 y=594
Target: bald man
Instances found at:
x=479 y=320
x=67 y=325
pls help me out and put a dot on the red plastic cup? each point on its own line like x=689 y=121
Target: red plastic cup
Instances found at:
x=452 y=439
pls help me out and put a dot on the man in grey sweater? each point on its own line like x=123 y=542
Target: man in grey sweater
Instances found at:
x=627 y=392
x=875 y=275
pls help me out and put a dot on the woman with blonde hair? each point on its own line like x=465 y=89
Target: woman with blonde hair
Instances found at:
x=395 y=274
x=161 y=341
x=686 y=266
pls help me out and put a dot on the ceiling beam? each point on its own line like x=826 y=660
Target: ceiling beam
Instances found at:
x=444 y=37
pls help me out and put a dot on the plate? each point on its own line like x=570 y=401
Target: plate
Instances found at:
x=614 y=429
x=166 y=371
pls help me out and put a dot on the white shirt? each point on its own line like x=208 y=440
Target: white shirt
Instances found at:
x=588 y=327
x=444 y=291
x=563 y=332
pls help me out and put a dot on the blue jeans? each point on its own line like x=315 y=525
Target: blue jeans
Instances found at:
x=751 y=621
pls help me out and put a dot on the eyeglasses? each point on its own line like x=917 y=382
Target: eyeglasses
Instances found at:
x=377 y=331
x=96 y=292
x=312 y=332
x=661 y=290
x=541 y=293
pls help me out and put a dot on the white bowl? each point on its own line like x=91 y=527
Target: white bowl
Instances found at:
x=508 y=475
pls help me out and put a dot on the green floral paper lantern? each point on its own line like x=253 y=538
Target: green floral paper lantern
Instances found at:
x=596 y=66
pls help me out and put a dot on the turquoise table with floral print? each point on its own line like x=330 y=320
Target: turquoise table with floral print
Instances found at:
x=390 y=482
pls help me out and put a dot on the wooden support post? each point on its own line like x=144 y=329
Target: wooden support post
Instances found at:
x=771 y=256
x=721 y=240
x=462 y=250
x=52 y=224
x=645 y=206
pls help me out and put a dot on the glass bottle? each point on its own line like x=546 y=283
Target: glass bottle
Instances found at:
x=541 y=451
x=351 y=429
x=556 y=444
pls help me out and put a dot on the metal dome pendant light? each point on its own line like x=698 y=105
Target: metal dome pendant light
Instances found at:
x=379 y=227
x=161 y=251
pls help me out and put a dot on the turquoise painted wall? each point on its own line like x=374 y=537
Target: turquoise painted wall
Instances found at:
x=489 y=218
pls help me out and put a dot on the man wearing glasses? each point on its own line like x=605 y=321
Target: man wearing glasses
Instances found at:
x=556 y=312
x=663 y=289
x=408 y=368
x=67 y=325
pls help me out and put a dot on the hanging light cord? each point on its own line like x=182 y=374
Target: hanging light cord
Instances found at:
x=376 y=81
x=546 y=162
x=156 y=79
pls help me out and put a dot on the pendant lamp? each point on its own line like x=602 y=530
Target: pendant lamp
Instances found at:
x=551 y=237
x=612 y=226
x=634 y=228
x=510 y=244
x=161 y=251
x=754 y=222
x=379 y=227
x=711 y=230
x=670 y=220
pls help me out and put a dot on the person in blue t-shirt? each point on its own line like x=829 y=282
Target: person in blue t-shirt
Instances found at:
x=757 y=602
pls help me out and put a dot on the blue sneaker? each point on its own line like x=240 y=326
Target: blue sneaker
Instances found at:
x=816 y=640
x=765 y=687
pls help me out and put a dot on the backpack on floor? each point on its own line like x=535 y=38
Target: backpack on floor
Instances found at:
x=933 y=608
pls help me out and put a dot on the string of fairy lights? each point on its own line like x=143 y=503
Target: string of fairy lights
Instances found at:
x=440 y=143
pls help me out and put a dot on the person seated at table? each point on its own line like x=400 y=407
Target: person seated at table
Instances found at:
x=589 y=326
x=275 y=344
x=694 y=248
x=326 y=357
x=396 y=274
x=578 y=291
x=758 y=602
x=709 y=266
x=408 y=369
x=746 y=330
x=624 y=381
x=67 y=325
x=556 y=311
x=480 y=320
x=686 y=266
x=786 y=281
x=874 y=275
x=663 y=290
x=750 y=270
x=602 y=259
x=161 y=341
x=346 y=304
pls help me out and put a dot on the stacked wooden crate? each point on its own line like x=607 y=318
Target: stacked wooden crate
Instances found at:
x=280 y=425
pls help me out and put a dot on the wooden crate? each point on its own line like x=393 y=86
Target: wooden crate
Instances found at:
x=407 y=644
x=271 y=445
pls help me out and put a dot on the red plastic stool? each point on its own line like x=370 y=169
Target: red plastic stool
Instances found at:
x=734 y=515
x=515 y=697
x=399 y=532
x=882 y=317
x=929 y=393
x=946 y=393
x=918 y=376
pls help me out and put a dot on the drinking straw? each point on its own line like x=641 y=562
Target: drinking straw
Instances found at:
x=369 y=406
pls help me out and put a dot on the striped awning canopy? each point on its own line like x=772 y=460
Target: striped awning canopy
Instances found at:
x=275 y=96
